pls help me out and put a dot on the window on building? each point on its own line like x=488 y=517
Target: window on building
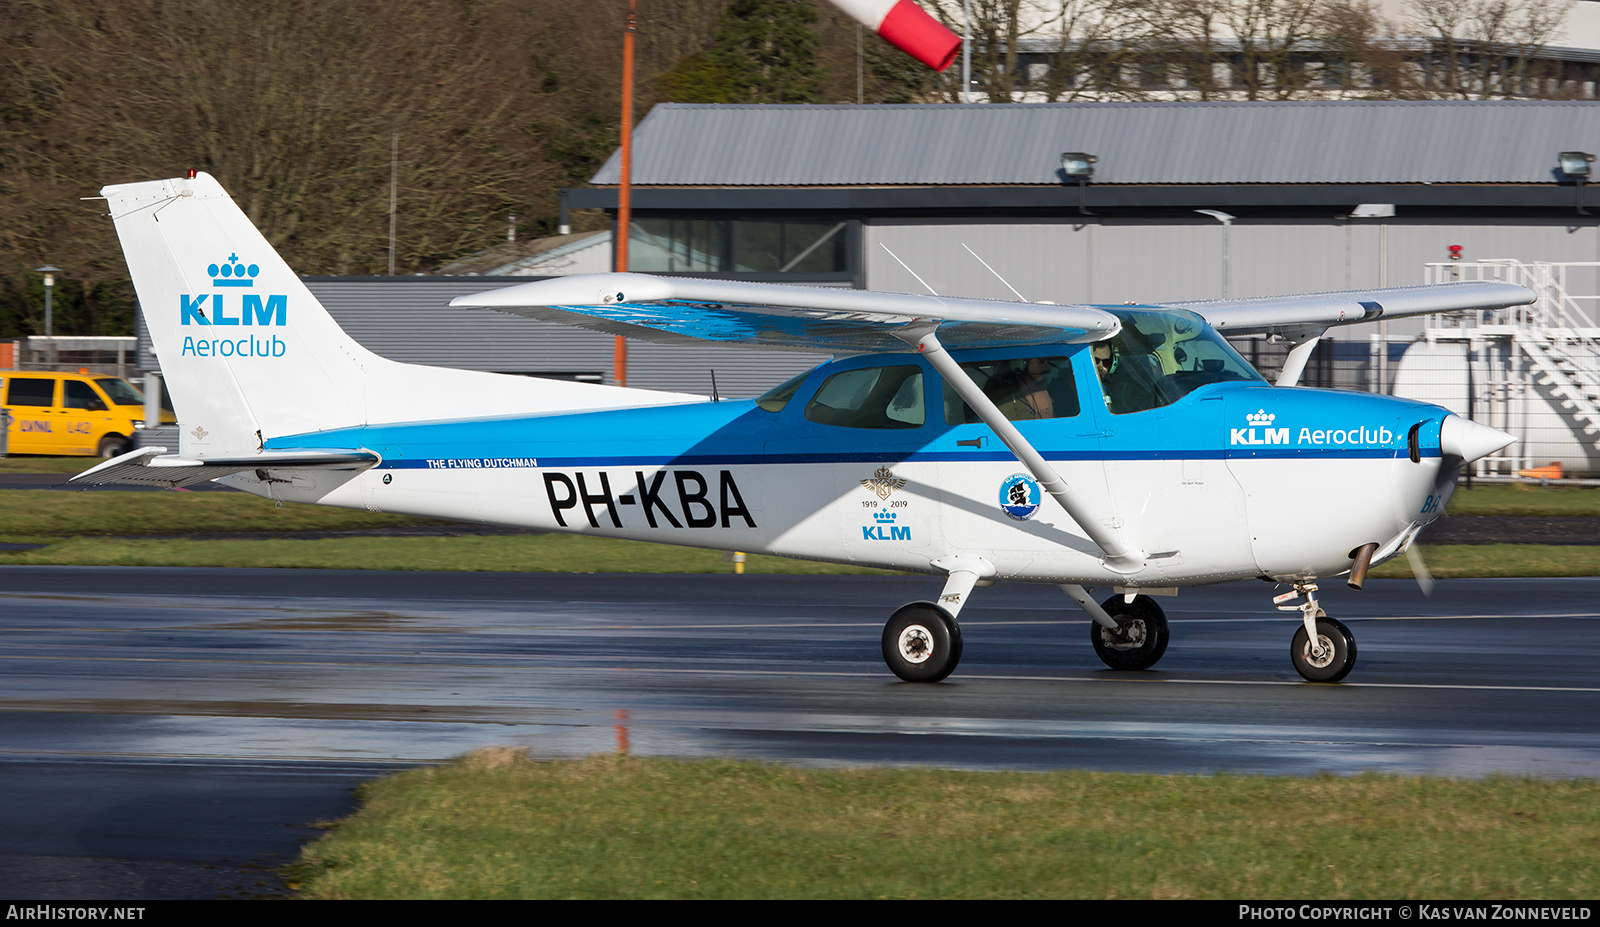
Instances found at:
x=739 y=246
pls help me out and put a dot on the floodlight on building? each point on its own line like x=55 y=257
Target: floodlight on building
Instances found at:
x=1078 y=163
x=1373 y=211
x=1577 y=165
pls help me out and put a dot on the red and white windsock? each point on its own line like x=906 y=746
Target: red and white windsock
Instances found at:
x=907 y=27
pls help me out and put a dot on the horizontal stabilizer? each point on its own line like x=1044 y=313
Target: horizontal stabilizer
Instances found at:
x=153 y=466
x=676 y=310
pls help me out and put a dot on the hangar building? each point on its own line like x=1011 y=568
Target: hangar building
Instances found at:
x=1185 y=200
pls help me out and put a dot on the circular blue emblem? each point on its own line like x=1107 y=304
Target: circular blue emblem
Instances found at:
x=1019 y=496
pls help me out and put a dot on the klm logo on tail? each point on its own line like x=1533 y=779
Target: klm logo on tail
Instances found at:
x=218 y=309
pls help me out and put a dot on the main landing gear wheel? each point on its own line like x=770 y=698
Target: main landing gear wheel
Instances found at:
x=922 y=643
x=1336 y=654
x=1140 y=638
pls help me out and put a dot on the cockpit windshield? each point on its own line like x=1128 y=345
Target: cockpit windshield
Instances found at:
x=1161 y=356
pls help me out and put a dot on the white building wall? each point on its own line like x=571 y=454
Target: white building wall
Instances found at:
x=1116 y=261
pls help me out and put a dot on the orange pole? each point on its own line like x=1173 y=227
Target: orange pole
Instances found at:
x=619 y=349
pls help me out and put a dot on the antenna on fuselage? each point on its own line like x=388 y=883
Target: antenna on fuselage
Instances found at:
x=931 y=290
x=996 y=273
x=715 y=397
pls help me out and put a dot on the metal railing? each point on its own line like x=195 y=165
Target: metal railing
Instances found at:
x=1533 y=371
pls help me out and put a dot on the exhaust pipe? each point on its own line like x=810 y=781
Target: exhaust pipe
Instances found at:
x=1363 y=561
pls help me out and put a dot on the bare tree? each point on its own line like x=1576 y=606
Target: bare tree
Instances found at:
x=1052 y=49
x=1488 y=48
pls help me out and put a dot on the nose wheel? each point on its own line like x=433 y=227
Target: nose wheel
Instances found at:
x=1331 y=654
x=922 y=643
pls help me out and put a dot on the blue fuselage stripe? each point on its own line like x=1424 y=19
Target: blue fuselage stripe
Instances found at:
x=744 y=460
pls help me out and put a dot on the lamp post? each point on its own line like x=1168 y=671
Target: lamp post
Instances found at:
x=1227 y=233
x=49 y=271
x=1079 y=165
x=1577 y=165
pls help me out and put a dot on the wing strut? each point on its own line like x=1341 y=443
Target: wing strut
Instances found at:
x=1120 y=558
x=1295 y=364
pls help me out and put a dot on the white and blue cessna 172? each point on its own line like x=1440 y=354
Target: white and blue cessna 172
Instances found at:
x=976 y=440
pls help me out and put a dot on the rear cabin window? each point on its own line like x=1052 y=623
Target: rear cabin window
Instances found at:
x=773 y=400
x=1023 y=388
x=871 y=397
x=31 y=391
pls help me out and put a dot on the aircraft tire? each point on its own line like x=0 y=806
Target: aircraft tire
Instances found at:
x=1141 y=636
x=922 y=642
x=1333 y=667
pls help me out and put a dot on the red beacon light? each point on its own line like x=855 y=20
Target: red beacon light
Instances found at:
x=1455 y=252
x=190 y=174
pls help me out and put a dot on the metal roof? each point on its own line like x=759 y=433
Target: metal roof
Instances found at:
x=1442 y=141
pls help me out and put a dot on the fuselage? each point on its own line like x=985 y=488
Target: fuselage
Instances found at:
x=1233 y=479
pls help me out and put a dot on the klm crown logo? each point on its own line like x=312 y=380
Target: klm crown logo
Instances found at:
x=233 y=273
x=1258 y=430
x=218 y=309
x=884 y=529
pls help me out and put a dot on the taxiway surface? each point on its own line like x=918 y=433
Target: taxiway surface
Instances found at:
x=159 y=720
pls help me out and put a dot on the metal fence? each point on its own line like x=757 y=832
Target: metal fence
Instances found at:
x=98 y=354
x=1532 y=371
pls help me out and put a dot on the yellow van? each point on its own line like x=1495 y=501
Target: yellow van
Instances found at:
x=71 y=414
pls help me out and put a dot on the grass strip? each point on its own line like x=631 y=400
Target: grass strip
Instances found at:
x=34 y=513
x=497 y=824
x=566 y=553
x=28 y=464
x=1461 y=561
x=1526 y=499
x=545 y=553
x=93 y=528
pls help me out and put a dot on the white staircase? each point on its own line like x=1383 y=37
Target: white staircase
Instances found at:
x=1556 y=334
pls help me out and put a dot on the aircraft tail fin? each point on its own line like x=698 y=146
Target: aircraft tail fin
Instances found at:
x=249 y=354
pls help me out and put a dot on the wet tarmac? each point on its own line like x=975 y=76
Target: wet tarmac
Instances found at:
x=157 y=722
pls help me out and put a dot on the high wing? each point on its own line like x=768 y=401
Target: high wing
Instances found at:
x=1294 y=317
x=676 y=310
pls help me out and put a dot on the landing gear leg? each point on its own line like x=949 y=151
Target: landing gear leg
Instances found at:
x=922 y=642
x=1323 y=649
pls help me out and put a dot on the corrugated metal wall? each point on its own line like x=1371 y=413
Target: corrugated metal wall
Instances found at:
x=1322 y=141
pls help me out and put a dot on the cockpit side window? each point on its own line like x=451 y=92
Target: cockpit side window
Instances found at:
x=870 y=397
x=1024 y=388
x=1160 y=357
